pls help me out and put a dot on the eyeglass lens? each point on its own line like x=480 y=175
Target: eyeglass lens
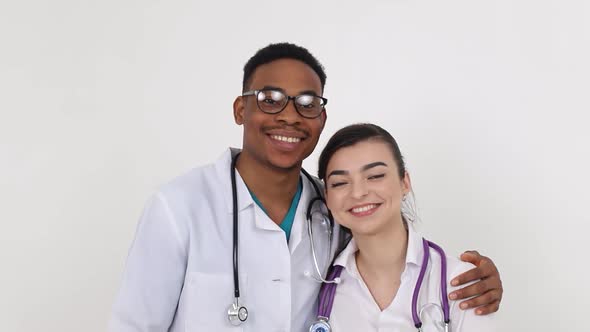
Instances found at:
x=273 y=101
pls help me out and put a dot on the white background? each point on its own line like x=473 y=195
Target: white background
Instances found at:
x=103 y=101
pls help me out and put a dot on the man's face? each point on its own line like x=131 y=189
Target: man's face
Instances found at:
x=284 y=139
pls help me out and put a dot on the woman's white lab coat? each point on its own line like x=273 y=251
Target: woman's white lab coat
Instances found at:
x=178 y=275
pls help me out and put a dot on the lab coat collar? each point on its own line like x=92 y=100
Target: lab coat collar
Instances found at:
x=415 y=249
x=413 y=254
x=223 y=167
x=299 y=228
x=347 y=256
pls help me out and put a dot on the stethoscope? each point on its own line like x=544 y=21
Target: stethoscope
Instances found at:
x=328 y=292
x=237 y=313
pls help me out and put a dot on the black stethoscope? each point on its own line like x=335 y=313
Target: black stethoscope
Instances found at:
x=238 y=313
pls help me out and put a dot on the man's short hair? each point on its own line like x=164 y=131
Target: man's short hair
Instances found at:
x=278 y=51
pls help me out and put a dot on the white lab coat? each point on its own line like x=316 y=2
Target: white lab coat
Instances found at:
x=178 y=275
x=355 y=309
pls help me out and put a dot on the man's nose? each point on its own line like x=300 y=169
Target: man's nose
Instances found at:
x=289 y=114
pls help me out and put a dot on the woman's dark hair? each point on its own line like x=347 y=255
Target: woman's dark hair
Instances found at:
x=349 y=136
x=356 y=133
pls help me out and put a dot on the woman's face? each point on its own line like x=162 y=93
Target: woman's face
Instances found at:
x=363 y=188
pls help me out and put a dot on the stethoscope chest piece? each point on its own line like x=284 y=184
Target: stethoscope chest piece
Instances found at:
x=321 y=325
x=237 y=314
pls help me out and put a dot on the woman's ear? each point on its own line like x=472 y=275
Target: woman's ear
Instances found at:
x=406 y=183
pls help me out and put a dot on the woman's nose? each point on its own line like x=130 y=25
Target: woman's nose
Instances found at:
x=359 y=189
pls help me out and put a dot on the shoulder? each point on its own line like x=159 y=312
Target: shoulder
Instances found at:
x=194 y=193
x=457 y=266
x=199 y=181
x=189 y=183
x=466 y=320
x=186 y=195
x=315 y=180
x=179 y=194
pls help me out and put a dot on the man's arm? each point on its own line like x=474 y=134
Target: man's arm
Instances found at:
x=486 y=291
x=154 y=273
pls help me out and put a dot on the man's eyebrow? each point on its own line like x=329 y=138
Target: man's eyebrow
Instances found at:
x=304 y=92
x=309 y=92
x=375 y=164
x=271 y=87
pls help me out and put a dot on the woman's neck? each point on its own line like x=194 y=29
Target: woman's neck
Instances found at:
x=381 y=259
x=385 y=250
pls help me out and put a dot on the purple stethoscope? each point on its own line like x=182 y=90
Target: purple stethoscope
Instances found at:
x=328 y=292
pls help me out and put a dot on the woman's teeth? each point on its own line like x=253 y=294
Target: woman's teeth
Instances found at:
x=364 y=208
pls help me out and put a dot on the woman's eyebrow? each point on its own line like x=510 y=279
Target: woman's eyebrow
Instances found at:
x=371 y=165
x=364 y=168
x=337 y=172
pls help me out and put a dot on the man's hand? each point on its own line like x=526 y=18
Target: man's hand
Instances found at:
x=487 y=291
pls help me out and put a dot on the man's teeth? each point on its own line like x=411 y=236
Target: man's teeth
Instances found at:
x=364 y=208
x=286 y=139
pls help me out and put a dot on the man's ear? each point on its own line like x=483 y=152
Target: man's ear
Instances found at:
x=239 y=110
x=324 y=118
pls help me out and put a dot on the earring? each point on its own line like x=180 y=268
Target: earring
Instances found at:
x=404 y=198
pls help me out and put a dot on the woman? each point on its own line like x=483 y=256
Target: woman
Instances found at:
x=383 y=281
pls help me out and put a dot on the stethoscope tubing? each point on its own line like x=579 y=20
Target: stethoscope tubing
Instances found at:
x=426 y=245
x=328 y=291
x=235 y=235
x=235 y=227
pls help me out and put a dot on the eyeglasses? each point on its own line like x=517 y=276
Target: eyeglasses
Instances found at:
x=272 y=101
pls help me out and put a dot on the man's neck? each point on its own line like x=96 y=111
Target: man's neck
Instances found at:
x=273 y=187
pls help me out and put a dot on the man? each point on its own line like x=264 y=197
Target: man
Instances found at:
x=187 y=268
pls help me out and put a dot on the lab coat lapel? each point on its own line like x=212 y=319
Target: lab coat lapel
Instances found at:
x=245 y=200
x=261 y=220
x=223 y=167
x=299 y=228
